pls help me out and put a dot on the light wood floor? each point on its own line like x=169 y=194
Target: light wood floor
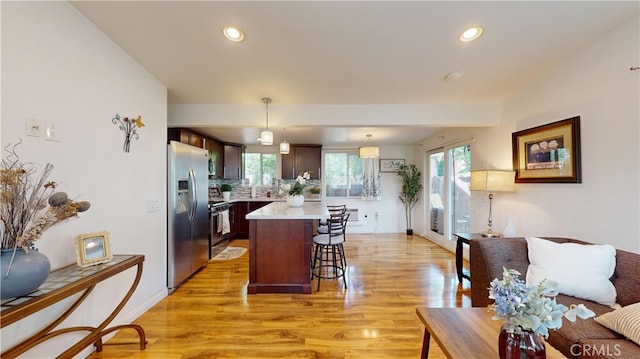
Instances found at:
x=389 y=275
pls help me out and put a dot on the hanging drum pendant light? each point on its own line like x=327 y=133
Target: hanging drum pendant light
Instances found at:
x=368 y=151
x=284 y=145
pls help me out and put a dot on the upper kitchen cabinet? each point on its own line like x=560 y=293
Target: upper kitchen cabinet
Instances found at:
x=216 y=157
x=185 y=136
x=233 y=167
x=302 y=158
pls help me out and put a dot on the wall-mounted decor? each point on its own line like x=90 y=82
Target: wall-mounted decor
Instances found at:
x=93 y=248
x=129 y=126
x=390 y=165
x=549 y=153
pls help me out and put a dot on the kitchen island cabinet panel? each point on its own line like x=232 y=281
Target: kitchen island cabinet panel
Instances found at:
x=280 y=247
x=281 y=259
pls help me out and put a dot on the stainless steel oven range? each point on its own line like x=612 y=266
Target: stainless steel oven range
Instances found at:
x=219 y=227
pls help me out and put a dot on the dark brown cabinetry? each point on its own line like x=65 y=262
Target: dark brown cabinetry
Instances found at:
x=233 y=222
x=302 y=158
x=225 y=159
x=241 y=209
x=216 y=157
x=233 y=161
x=186 y=136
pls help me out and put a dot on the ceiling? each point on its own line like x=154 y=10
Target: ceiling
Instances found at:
x=349 y=53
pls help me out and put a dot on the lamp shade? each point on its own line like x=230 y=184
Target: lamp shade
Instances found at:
x=266 y=137
x=368 y=152
x=284 y=148
x=492 y=181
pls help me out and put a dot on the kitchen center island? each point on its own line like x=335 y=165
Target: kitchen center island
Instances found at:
x=280 y=247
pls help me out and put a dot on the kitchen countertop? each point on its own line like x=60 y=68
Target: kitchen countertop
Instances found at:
x=263 y=199
x=281 y=210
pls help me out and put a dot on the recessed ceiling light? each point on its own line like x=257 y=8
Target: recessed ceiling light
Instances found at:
x=233 y=33
x=471 y=33
x=453 y=76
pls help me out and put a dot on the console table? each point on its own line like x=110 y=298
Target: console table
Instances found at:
x=61 y=284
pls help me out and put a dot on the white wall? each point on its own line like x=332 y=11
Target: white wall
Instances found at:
x=391 y=218
x=56 y=66
x=597 y=85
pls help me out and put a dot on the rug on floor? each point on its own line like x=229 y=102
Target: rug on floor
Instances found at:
x=230 y=253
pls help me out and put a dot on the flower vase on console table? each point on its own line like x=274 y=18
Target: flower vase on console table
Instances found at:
x=520 y=344
x=295 y=201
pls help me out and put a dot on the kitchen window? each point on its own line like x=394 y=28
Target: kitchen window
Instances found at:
x=342 y=174
x=260 y=168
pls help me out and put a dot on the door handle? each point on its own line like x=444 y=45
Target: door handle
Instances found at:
x=194 y=191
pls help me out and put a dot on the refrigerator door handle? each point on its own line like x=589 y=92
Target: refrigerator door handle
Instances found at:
x=194 y=198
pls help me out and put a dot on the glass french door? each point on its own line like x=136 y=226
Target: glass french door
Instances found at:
x=449 y=195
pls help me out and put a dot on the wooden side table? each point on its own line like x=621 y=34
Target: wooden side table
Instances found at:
x=61 y=284
x=465 y=238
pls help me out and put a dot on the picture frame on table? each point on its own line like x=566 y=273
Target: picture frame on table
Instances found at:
x=93 y=248
x=391 y=165
x=548 y=153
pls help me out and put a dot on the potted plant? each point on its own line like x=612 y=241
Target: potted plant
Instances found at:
x=226 y=191
x=411 y=186
x=315 y=191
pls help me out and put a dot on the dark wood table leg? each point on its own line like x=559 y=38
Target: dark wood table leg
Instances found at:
x=459 y=259
x=425 y=344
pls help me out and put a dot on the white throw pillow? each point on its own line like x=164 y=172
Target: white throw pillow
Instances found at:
x=579 y=270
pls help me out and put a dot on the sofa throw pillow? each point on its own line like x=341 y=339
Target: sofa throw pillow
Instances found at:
x=625 y=321
x=578 y=270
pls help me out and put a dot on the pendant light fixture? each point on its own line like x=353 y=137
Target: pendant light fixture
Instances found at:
x=284 y=145
x=266 y=136
x=368 y=151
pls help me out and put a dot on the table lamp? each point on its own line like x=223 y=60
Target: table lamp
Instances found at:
x=492 y=181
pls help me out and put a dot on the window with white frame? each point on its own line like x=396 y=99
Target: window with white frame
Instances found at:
x=260 y=168
x=342 y=174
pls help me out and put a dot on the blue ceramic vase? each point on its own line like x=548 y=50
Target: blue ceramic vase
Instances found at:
x=28 y=271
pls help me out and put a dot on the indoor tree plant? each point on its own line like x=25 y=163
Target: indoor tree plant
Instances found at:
x=411 y=186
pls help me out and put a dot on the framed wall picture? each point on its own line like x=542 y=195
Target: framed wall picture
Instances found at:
x=93 y=248
x=549 y=153
x=390 y=165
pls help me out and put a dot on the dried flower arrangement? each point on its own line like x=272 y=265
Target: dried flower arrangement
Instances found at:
x=29 y=204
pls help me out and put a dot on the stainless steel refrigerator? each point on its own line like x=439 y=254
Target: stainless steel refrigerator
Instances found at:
x=187 y=212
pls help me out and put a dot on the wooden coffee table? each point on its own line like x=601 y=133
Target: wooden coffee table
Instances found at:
x=465 y=332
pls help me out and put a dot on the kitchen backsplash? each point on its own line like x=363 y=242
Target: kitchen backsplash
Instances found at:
x=241 y=190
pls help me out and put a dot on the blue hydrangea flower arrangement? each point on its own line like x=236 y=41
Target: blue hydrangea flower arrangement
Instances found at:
x=530 y=307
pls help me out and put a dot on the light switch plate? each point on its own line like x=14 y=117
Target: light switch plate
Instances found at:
x=50 y=132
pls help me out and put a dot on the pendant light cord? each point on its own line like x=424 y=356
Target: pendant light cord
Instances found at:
x=267 y=100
